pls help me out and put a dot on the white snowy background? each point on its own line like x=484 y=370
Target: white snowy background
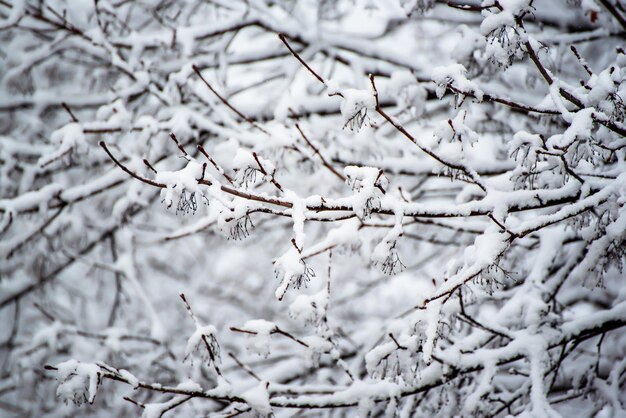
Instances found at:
x=397 y=208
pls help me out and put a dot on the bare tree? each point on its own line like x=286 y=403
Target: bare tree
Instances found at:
x=327 y=208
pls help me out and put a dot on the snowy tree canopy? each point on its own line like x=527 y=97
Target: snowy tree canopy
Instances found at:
x=401 y=208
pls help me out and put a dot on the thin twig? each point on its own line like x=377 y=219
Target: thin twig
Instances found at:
x=265 y=173
x=178 y=144
x=244 y=367
x=317 y=152
x=581 y=60
x=68 y=110
x=607 y=4
x=129 y=172
x=282 y=37
x=217 y=166
x=274 y=331
x=227 y=103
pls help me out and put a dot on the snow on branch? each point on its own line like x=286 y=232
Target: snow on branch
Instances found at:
x=400 y=208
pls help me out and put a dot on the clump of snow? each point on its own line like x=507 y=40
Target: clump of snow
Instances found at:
x=204 y=334
x=365 y=392
x=385 y=253
x=375 y=356
x=453 y=137
x=130 y=378
x=258 y=398
x=298 y=216
x=346 y=234
x=310 y=308
x=32 y=199
x=18 y=9
x=454 y=76
x=69 y=138
x=243 y=159
x=189 y=385
x=495 y=21
x=332 y=87
x=364 y=182
x=259 y=331
x=608 y=91
x=433 y=311
x=115 y=115
x=249 y=171
x=181 y=186
x=79 y=381
x=580 y=127
x=48 y=335
x=485 y=249
x=468 y=50
x=504 y=40
x=186 y=39
x=483 y=387
x=409 y=93
x=181 y=123
x=148 y=124
x=525 y=146
x=290 y=268
x=158 y=409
